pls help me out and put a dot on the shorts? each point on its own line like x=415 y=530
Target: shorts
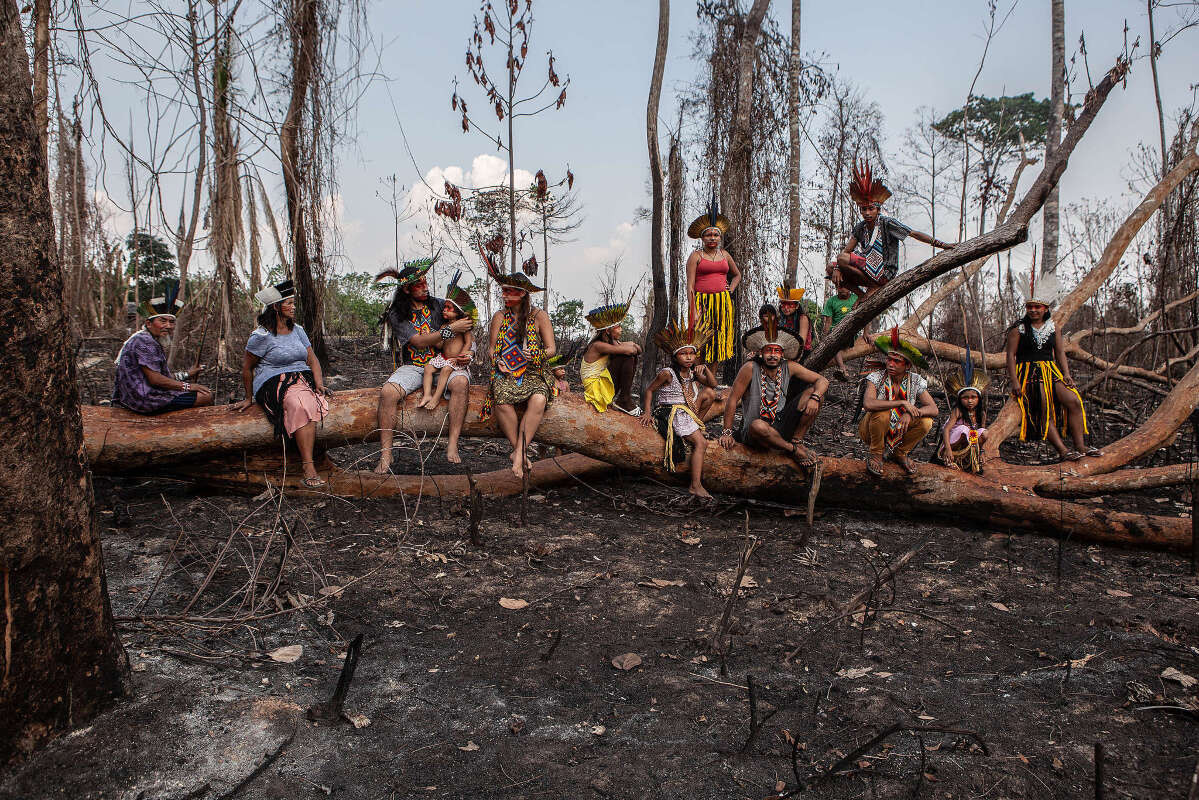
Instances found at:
x=178 y=403
x=411 y=378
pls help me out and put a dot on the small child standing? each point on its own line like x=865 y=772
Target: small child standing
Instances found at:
x=457 y=305
x=675 y=414
x=964 y=433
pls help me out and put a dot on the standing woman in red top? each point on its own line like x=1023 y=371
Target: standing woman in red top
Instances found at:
x=712 y=276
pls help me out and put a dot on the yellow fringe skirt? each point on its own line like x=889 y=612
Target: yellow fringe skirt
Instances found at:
x=598 y=388
x=717 y=309
x=1039 y=406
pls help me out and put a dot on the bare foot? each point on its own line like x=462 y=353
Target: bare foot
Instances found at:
x=383 y=467
x=430 y=404
x=700 y=492
x=518 y=464
x=451 y=455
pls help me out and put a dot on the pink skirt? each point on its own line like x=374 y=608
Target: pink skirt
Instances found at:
x=301 y=405
x=961 y=431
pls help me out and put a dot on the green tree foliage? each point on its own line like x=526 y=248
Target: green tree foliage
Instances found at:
x=992 y=127
x=354 y=303
x=151 y=261
x=568 y=318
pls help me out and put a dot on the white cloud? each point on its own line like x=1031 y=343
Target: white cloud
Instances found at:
x=619 y=242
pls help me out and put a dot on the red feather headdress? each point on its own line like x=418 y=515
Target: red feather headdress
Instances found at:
x=864 y=187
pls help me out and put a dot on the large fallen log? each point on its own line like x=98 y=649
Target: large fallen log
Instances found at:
x=1126 y=480
x=112 y=435
x=253 y=475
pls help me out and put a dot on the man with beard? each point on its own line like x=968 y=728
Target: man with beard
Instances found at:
x=144 y=383
x=781 y=397
x=414 y=323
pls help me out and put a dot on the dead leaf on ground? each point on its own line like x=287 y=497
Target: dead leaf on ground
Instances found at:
x=287 y=655
x=1171 y=674
x=513 y=603
x=1118 y=593
x=627 y=661
x=469 y=747
x=358 y=720
x=1001 y=607
x=598 y=730
x=327 y=591
x=853 y=672
x=1057 y=763
x=690 y=540
x=868 y=544
x=661 y=583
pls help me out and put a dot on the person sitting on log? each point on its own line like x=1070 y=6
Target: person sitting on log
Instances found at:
x=609 y=365
x=1040 y=374
x=871 y=256
x=793 y=317
x=144 y=383
x=677 y=401
x=781 y=397
x=414 y=329
x=899 y=408
x=445 y=364
x=521 y=341
x=965 y=432
x=283 y=376
x=836 y=306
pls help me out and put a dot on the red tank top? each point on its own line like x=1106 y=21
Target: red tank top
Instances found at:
x=711 y=277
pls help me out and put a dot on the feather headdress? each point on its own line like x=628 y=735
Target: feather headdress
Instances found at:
x=770 y=333
x=165 y=305
x=966 y=378
x=515 y=280
x=1044 y=290
x=864 y=188
x=675 y=337
x=891 y=343
x=460 y=298
x=789 y=294
x=712 y=219
x=410 y=273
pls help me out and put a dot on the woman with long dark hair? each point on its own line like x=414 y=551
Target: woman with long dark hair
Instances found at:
x=1050 y=404
x=283 y=376
x=712 y=277
x=522 y=343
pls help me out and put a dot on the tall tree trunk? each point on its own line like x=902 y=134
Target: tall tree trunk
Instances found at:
x=675 y=190
x=304 y=31
x=735 y=184
x=1053 y=133
x=41 y=74
x=793 y=155
x=225 y=188
x=60 y=659
x=657 y=260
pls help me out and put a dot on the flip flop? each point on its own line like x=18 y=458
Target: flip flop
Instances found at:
x=1072 y=455
x=904 y=463
x=874 y=465
x=315 y=483
x=1093 y=452
x=807 y=460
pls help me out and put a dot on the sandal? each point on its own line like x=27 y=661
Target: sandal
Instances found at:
x=874 y=465
x=1093 y=452
x=1072 y=455
x=315 y=483
x=904 y=463
x=806 y=460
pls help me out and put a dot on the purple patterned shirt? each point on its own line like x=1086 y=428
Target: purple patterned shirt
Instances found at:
x=130 y=387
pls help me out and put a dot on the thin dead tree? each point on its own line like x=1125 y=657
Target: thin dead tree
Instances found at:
x=657 y=258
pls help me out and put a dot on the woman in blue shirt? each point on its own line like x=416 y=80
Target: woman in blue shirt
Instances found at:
x=283 y=376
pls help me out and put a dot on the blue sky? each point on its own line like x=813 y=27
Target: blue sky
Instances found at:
x=902 y=55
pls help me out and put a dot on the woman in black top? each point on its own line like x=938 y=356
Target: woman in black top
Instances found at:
x=1042 y=386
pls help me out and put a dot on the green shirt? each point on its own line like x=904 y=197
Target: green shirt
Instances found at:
x=837 y=308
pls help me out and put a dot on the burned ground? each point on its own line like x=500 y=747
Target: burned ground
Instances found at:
x=1032 y=651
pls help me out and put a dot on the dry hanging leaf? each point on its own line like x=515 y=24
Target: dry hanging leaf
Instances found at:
x=469 y=747
x=1001 y=607
x=513 y=603
x=1171 y=674
x=1118 y=593
x=627 y=661
x=287 y=655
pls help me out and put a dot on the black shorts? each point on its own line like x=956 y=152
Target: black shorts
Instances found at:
x=179 y=402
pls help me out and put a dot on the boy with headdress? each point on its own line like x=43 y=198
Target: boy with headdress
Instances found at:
x=899 y=408
x=871 y=256
x=779 y=397
x=793 y=317
x=143 y=382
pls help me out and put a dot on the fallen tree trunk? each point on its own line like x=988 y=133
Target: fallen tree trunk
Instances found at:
x=619 y=440
x=1126 y=480
x=254 y=475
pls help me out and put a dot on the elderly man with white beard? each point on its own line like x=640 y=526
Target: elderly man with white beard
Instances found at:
x=144 y=383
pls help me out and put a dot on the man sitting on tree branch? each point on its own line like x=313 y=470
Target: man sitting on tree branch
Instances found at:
x=781 y=396
x=144 y=383
x=413 y=322
x=871 y=256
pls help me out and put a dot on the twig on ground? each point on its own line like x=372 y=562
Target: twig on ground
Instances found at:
x=726 y=618
x=270 y=759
